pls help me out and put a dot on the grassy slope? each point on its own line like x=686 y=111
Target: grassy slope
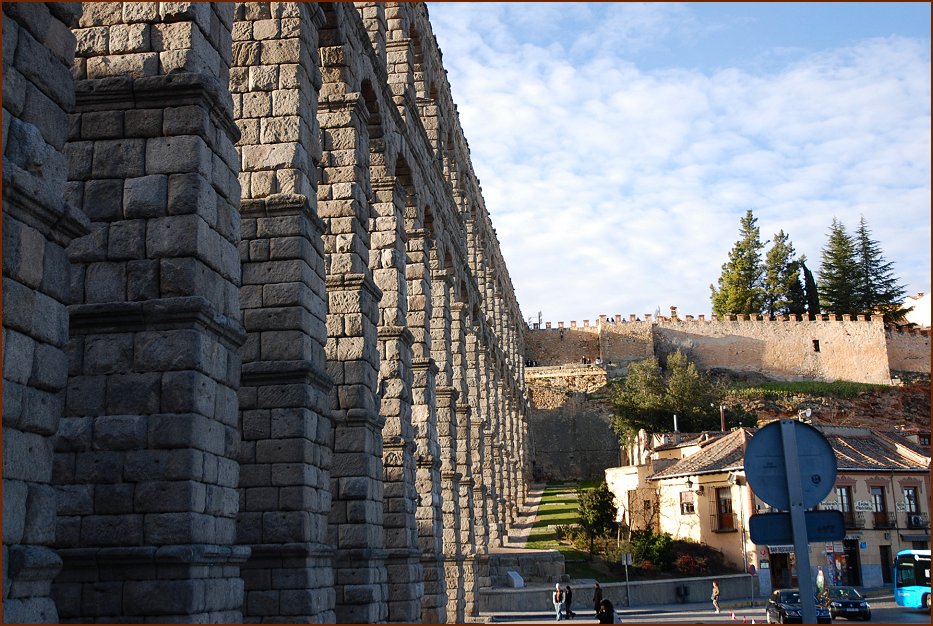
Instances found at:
x=559 y=506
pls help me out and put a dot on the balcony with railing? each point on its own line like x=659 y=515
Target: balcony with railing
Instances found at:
x=917 y=521
x=883 y=520
x=853 y=520
x=724 y=522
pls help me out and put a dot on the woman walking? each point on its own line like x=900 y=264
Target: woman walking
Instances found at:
x=597 y=597
x=715 y=596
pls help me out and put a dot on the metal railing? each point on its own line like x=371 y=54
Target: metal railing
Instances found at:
x=884 y=520
x=917 y=520
x=724 y=521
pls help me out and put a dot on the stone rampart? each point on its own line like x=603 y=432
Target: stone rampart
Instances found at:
x=569 y=422
x=908 y=350
x=784 y=348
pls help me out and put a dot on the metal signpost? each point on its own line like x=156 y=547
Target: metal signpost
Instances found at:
x=774 y=460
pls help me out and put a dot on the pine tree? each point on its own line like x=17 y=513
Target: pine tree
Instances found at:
x=783 y=292
x=878 y=290
x=740 y=289
x=813 y=294
x=839 y=283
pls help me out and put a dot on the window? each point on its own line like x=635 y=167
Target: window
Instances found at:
x=924 y=439
x=844 y=498
x=686 y=503
x=816 y=345
x=726 y=519
x=647 y=505
x=879 y=508
x=910 y=499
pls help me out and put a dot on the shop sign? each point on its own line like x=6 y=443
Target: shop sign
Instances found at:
x=863 y=545
x=781 y=549
x=863 y=506
x=829 y=546
x=838 y=547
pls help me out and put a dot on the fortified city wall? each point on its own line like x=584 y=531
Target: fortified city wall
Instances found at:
x=570 y=411
x=829 y=348
x=263 y=360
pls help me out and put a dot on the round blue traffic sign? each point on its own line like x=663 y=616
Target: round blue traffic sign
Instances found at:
x=767 y=472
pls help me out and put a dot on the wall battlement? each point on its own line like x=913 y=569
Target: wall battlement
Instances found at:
x=786 y=347
x=651 y=318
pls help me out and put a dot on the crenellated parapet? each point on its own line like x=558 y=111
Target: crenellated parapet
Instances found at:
x=792 y=347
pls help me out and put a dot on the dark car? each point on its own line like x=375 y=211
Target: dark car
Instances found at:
x=784 y=608
x=846 y=602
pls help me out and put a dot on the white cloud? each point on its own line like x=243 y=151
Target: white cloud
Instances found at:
x=615 y=190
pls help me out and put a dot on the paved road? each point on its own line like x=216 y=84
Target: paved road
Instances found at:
x=884 y=611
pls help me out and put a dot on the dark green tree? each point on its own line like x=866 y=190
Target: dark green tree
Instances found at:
x=783 y=293
x=813 y=294
x=596 y=511
x=648 y=398
x=740 y=284
x=877 y=288
x=839 y=275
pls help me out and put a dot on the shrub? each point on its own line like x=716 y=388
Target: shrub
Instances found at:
x=690 y=564
x=656 y=548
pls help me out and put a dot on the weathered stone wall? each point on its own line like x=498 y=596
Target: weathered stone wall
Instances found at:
x=560 y=346
x=908 y=350
x=569 y=423
x=829 y=348
x=38 y=224
x=295 y=378
x=824 y=349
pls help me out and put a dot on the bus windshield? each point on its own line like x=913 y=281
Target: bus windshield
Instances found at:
x=913 y=570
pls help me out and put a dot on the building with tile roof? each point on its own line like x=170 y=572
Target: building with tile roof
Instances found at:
x=693 y=486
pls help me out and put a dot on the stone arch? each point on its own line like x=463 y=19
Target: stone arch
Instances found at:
x=264 y=361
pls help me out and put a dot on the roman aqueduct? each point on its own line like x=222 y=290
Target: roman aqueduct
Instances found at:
x=262 y=358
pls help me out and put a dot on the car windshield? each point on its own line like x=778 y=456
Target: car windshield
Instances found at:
x=790 y=597
x=844 y=593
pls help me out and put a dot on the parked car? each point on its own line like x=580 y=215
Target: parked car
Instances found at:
x=846 y=602
x=784 y=608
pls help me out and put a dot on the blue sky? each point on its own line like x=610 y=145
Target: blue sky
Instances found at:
x=618 y=144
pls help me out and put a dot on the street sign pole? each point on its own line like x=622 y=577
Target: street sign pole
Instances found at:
x=798 y=521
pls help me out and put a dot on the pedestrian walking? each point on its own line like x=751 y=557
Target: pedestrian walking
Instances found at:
x=568 y=602
x=715 y=596
x=597 y=597
x=558 y=598
x=606 y=613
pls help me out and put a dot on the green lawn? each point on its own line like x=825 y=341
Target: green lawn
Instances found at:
x=559 y=506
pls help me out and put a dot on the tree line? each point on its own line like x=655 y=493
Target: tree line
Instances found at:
x=853 y=278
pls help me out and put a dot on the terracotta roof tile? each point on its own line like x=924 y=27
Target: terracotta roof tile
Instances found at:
x=722 y=454
x=854 y=452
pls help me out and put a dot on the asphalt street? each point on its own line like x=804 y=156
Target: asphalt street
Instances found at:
x=884 y=611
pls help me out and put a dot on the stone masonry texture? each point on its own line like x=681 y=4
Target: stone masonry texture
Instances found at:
x=262 y=358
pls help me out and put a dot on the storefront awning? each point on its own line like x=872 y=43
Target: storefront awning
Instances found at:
x=915 y=537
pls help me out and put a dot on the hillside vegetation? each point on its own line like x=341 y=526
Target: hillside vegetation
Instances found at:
x=840 y=403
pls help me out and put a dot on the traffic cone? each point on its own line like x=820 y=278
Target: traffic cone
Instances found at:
x=753 y=621
x=744 y=620
x=733 y=616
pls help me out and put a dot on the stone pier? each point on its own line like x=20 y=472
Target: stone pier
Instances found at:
x=262 y=358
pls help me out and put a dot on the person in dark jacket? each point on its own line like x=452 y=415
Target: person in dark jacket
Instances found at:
x=606 y=613
x=568 y=598
x=597 y=597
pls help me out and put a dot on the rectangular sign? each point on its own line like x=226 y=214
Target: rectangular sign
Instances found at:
x=773 y=528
